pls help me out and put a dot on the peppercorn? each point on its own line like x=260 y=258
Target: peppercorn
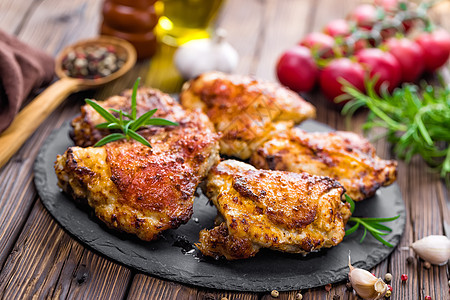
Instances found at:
x=427 y=297
x=299 y=296
x=275 y=293
x=410 y=260
x=92 y=62
x=328 y=287
x=427 y=265
x=388 y=277
x=388 y=294
x=404 y=277
x=389 y=287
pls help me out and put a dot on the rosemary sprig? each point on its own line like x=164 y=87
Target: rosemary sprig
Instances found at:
x=127 y=123
x=416 y=120
x=371 y=225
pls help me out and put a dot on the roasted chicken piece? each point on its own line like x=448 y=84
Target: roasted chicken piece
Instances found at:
x=85 y=134
x=343 y=156
x=247 y=112
x=138 y=189
x=285 y=211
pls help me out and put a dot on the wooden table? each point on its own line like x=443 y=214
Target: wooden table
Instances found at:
x=38 y=259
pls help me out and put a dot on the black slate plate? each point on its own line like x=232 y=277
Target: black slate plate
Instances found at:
x=172 y=256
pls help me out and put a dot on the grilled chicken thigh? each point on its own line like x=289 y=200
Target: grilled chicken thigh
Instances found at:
x=343 y=156
x=284 y=211
x=135 y=188
x=247 y=112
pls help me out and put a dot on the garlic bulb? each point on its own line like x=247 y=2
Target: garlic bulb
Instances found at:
x=365 y=284
x=433 y=248
x=199 y=56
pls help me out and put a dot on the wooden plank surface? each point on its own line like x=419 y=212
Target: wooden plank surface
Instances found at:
x=146 y=287
x=275 y=37
x=55 y=270
x=16 y=177
x=38 y=258
x=47 y=263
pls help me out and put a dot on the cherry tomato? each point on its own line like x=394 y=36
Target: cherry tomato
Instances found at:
x=319 y=43
x=343 y=68
x=388 y=5
x=409 y=55
x=360 y=44
x=297 y=69
x=364 y=15
x=338 y=27
x=388 y=33
x=436 y=48
x=353 y=47
x=381 y=64
x=407 y=25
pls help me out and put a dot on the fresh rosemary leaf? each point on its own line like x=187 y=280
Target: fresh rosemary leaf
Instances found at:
x=121 y=119
x=352 y=229
x=384 y=242
x=143 y=119
x=102 y=125
x=364 y=235
x=133 y=98
x=136 y=136
x=107 y=125
x=371 y=225
x=352 y=203
x=110 y=138
x=113 y=126
x=416 y=120
x=381 y=219
x=123 y=112
x=381 y=227
x=128 y=126
x=103 y=112
x=161 y=122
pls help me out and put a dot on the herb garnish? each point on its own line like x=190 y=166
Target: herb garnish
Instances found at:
x=370 y=224
x=126 y=122
x=417 y=122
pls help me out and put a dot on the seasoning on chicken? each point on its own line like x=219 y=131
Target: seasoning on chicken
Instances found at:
x=247 y=112
x=135 y=188
x=285 y=211
x=343 y=156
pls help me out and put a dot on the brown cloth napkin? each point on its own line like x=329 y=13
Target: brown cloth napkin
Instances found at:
x=22 y=69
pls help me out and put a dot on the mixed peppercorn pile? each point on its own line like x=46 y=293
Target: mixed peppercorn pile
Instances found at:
x=92 y=62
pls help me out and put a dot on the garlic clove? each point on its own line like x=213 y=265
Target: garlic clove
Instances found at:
x=365 y=284
x=200 y=56
x=433 y=248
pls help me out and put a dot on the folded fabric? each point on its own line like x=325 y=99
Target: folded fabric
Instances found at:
x=22 y=69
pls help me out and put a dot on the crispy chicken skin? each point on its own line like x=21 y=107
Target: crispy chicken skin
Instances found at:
x=142 y=190
x=343 y=156
x=85 y=134
x=247 y=112
x=285 y=211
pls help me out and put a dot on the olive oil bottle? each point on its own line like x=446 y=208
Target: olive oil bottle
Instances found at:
x=185 y=20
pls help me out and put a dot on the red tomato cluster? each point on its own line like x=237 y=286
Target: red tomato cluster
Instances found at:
x=349 y=51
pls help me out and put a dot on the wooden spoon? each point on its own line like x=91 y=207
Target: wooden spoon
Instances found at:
x=29 y=118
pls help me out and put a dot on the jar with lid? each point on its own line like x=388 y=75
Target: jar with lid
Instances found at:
x=131 y=20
